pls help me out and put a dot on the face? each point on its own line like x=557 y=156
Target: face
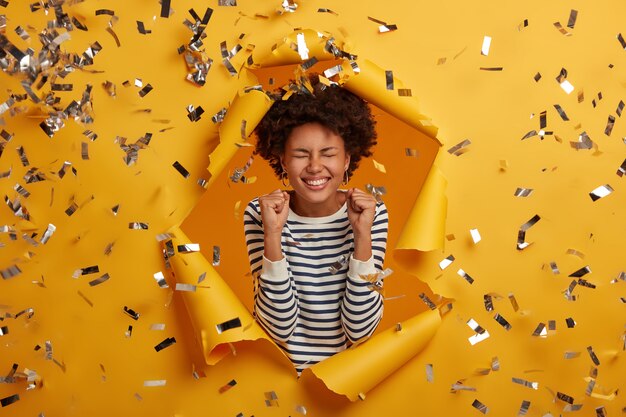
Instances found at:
x=315 y=160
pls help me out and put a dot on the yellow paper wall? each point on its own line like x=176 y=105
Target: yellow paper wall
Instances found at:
x=104 y=371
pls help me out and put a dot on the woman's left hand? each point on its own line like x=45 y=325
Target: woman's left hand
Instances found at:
x=361 y=211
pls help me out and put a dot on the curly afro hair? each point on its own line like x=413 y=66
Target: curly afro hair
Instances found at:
x=336 y=108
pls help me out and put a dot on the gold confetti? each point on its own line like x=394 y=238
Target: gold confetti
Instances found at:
x=379 y=166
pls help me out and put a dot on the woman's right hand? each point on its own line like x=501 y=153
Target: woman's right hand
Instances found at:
x=274 y=210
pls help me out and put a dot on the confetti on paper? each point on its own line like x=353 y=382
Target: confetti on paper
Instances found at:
x=99 y=280
x=481 y=333
x=446 y=262
x=475 y=235
x=165 y=344
x=523 y=192
x=338 y=264
x=527 y=384
x=488 y=302
x=389 y=80
x=523 y=409
x=380 y=167
x=227 y=386
x=138 y=226
x=181 y=169
x=465 y=276
x=480 y=407
x=521 y=236
x=155 y=383
x=131 y=313
x=593 y=356
x=9 y=400
x=484 y=50
x=301 y=409
x=600 y=192
x=459 y=386
x=194 y=114
x=185 y=287
x=271 y=399
x=160 y=279
x=513 y=302
x=502 y=321
x=460 y=148
x=227 y=325
x=609 y=125
x=415 y=153
x=581 y=272
x=188 y=248
x=540 y=330
x=572 y=18
x=427 y=301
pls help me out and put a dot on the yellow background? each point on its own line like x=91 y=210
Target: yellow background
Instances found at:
x=104 y=369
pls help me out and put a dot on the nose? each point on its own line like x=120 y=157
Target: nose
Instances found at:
x=315 y=164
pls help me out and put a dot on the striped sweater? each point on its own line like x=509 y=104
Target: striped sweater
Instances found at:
x=313 y=302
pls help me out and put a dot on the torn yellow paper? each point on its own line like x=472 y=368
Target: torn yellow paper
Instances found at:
x=245 y=112
x=211 y=304
x=369 y=84
x=356 y=371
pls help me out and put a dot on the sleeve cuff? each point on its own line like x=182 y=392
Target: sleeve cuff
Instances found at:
x=357 y=268
x=275 y=270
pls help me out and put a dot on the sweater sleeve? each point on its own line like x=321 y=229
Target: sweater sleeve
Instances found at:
x=362 y=307
x=275 y=296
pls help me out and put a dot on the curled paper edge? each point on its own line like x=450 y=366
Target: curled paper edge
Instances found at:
x=356 y=371
x=208 y=307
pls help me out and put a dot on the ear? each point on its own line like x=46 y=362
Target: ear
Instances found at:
x=347 y=164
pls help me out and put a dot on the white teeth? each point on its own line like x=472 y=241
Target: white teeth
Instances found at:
x=318 y=182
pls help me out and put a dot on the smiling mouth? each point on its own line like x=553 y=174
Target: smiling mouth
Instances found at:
x=316 y=183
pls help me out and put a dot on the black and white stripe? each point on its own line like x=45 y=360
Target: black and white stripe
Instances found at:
x=309 y=311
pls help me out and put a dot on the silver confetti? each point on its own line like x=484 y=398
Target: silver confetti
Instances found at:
x=185 y=287
x=460 y=148
x=523 y=192
x=446 y=262
x=600 y=192
x=188 y=248
x=528 y=384
x=465 y=275
x=160 y=279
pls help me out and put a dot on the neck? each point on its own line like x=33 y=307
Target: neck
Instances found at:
x=322 y=209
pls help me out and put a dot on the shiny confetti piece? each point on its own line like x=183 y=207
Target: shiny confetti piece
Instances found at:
x=465 y=276
x=620 y=108
x=600 y=192
x=185 y=287
x=523 y=192
x=389 y=80
x=480 y=407
x=491 y=68
x=581 y=272
x=4 y=330
x=427 y=301
x=157 y=326
x=165 y=344
x=460 y=148
x=9 y=400
x=488 y=302
x=160 y=279
x=380 y=167
x=561 y=112
x=570 y=322
x=216 y=256
x=227 y=325
x=521 y=236
x=301 y=409
x=181 y=170
x=495 y=364
x=446 y=262
x=575 y=253
x=537 y=77
x=129 y=331
x=131 y=313
x=377 y=192
x=142 y=28
x=405 y=92
x=145 y=90
x=564 y=397
x=584 y=142
x=460 y=387
x=188 y=248
x=138 y=226
x=484 y=50
x=475 y=235
x=513 y=302
x=593 y=356
x=271 y=399
x=227 y=386
x=527 y=384
x=155 y=383
x=22 y=154
x=115 y=209
x=502 y=322
x=601 y=411
x=540 y=330
x=86 y=271
x=430 y=377
x=522 y=25
x=572 y=18
x=194 y=114
x=415 y=152
x=609 y=125
x=338 y=264
x=571 y=355
x=561 y=29
x=99 y=280
x=201 y=277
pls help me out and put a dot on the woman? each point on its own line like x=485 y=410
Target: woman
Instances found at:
x=316 y=251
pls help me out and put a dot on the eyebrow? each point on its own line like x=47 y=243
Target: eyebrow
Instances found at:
x=330 y=148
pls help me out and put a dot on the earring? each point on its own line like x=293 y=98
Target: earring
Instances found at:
x=346 y=178
x=283 y=177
